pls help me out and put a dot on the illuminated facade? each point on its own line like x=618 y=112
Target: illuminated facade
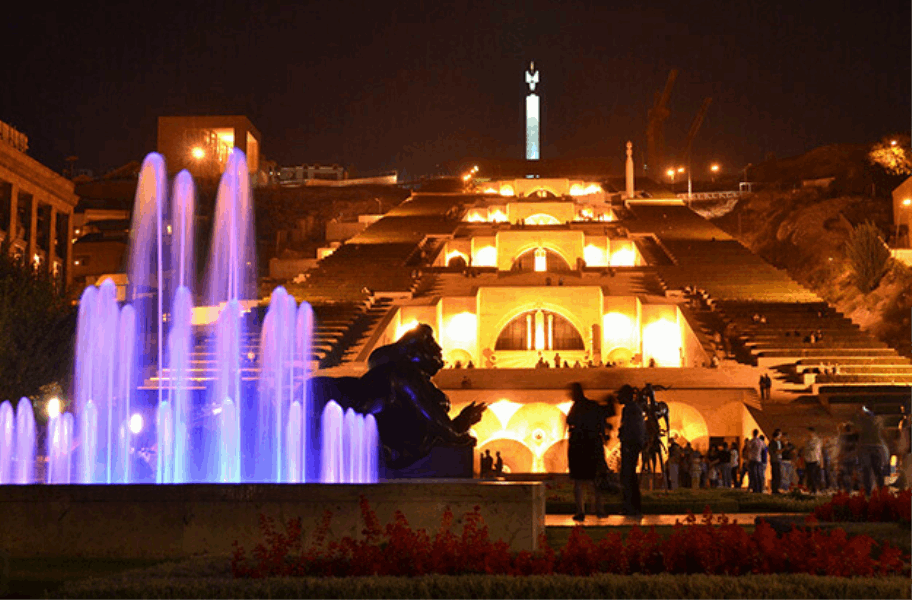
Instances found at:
x=532 y=273
x=36 y=208
x=201 y=144
x=521 y=279
x=532 y=115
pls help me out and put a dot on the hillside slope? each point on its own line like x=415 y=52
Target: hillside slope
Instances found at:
x=805 y=232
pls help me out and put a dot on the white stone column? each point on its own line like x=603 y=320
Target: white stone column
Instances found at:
x=33 y=231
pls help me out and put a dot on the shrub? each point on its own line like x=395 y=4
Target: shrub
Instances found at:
x=714 y=546
x=868 y=255
x=882 y=506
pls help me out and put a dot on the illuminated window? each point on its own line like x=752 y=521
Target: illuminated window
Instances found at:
x=541 y=260
x=539 y=329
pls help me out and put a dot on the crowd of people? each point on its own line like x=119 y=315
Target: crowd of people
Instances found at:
x=856 y=457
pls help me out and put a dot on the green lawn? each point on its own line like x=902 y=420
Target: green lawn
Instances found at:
x=559 y=500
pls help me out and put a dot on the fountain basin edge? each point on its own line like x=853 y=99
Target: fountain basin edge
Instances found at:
x=178 y=521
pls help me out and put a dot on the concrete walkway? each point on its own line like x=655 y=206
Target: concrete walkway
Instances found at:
x=649 y=520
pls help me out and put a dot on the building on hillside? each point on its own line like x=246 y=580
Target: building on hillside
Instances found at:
x=641 y=292
x=201 y=144
x=36 y=208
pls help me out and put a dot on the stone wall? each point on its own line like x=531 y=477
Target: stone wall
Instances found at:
x=174 y=521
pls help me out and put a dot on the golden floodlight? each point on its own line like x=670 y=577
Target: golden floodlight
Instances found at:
x=714 y=168
x=198 y=153
x=907 y=201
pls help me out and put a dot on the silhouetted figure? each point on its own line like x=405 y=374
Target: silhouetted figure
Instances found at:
x=633 y=439
x=587 y=422
x=487 y=464
x=498 y=465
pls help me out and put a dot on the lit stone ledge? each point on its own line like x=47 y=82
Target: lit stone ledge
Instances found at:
x=174 y=521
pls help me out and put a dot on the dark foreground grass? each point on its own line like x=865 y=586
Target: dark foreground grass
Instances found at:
x=40 y=577
x=206 y=578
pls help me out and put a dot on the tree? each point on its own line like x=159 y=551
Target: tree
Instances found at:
x=868 y=256
x=893 y=153
x=37 y=329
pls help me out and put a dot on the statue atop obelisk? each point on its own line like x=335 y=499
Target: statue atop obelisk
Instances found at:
x=532 y=118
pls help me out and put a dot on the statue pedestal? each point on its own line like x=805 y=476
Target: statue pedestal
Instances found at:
x=442 y=462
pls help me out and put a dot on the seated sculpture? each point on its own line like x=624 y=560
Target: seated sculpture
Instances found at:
x=412 y=413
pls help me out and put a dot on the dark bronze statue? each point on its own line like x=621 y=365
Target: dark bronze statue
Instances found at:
x=411 y=412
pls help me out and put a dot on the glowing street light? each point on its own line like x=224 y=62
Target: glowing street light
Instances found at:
x=198 y=153
x=671 y=174
x=714 y=169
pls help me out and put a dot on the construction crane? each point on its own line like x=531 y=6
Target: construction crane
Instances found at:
x=655 y=135
x=694 y=128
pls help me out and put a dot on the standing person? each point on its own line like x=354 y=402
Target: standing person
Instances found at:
x=487 y=464
x=764 y=460
x=585 y=450
x=633 y=439
x=904 y=448
x=725 y=470
x=812 y=459
x=788 y=453
x=685 y=465
x=696 y=468
x=498 y=464
x=674 y=464
x=745 y=464
x=872 y=451
x=734 y=457
x=848 y=457
x=752 y=456
x=775 y=458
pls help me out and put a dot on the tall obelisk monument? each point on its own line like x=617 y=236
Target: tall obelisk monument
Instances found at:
x=629 y=173
x=532 y=119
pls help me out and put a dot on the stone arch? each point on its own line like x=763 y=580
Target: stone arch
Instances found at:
x=688 y=422
x=555 y=457
x=577 y=323
x=458 y=354
x=562 y=265
x=620 y=356
x=541 y=219
x=517 y=457
x=543 y=191
x=550 y=247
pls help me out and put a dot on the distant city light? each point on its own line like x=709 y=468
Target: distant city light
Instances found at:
x=714 y=168
x=680 y=169
x=892 y=142
x=53 y=407
x=198 y=153
x=670 y=173
x=136 y=423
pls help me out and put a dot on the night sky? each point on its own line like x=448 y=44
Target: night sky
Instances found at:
x=409 y=85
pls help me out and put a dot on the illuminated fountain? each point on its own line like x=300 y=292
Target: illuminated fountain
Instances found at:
x=242 y=424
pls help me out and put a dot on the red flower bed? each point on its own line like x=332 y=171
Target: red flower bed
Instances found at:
x=882 y=506
x=712 y=546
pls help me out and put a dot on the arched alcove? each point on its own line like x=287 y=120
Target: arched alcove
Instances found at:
x=539 y=330
x=555 y=263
